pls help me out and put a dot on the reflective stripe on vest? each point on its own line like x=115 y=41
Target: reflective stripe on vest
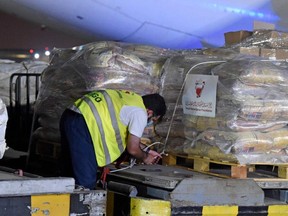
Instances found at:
x=100 y=126
x=113 y=118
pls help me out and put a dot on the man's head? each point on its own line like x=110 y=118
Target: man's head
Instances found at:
x=156 y=103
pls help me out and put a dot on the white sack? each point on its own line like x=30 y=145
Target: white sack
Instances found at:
x=3 y=124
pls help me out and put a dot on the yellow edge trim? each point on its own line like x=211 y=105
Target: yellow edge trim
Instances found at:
x=220 y=210
x=53 y=204
x=144 y=206
x=278 y=210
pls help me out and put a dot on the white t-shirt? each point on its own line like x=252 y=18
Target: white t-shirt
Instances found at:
x=135 y=118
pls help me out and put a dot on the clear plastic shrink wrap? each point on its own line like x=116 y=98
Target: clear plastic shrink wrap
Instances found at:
x=172 y=78
x=74 y=72
x=251 y=114
x=242 y=147
x=251 y=107
x=265 y=38
x=9 y=67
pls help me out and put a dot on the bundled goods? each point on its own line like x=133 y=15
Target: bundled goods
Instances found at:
x=175 y=69
x=223 y=52
x=99 y=65
x=173 y=76
x=242 y=147
x=251 y=111
x=265 y=43
x=251 y=115
x=225 y=123
x=264 y=38
x=267 y=38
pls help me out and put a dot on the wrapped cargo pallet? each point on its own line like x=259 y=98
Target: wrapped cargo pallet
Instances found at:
x=251 y=115
x=172 y=78
x=268 y=44
x=99 y=65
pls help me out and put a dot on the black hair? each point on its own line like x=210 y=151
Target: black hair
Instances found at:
x=156 y=103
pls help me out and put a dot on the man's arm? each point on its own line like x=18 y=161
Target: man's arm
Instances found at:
x=134 y=148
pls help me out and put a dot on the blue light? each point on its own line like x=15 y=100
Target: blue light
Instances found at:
x=228 y=9
x=237 y=10
x=244 y=12
x=261 y=15
x=249 y=13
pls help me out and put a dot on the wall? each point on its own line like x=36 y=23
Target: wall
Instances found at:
x=20 y=34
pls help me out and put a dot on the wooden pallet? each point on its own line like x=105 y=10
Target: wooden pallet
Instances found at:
x=203 y=164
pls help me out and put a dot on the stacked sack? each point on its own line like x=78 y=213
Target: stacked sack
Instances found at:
x=99 y=65
x=174 y=72
x=251 y=108
x=251 y=115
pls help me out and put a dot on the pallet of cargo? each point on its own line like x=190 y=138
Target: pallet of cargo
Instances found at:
x=228 y=169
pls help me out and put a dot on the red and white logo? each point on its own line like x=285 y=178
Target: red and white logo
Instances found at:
x=199 y=86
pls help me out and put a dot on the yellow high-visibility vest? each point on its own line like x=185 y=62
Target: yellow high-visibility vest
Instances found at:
x=101 y=111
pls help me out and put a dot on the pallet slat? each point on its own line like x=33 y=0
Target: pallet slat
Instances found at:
x=238 y=171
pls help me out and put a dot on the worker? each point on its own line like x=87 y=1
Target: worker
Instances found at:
x=101 y=125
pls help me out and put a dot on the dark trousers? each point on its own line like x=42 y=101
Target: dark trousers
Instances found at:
x=78 y=158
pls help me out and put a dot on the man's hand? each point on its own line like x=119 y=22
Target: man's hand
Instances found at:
x=153 y=157
x=135 y=149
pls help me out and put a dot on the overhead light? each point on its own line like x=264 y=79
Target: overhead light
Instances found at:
x=47 y=52
x=36 y=56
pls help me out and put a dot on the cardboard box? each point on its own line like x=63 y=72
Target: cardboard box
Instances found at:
x=271 y=34
x=263 y=25
x=248 y=50
x=274 y=54
x=270 y=38
x=268 y=53
x=236 y=37
x=282 y=54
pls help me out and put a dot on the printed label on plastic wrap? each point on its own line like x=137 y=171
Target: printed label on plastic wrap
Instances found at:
x=199 y=96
